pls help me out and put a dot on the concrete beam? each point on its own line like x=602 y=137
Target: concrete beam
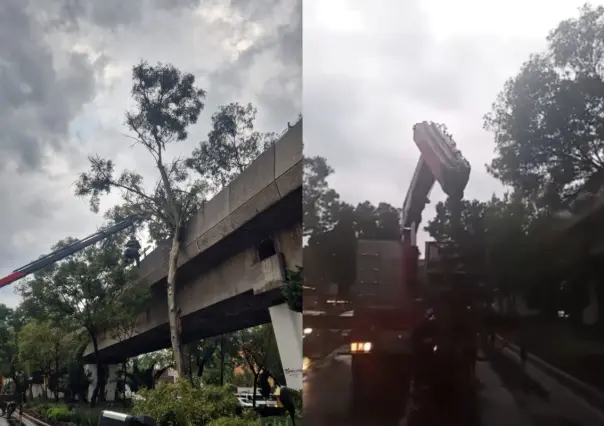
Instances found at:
x=274 y=175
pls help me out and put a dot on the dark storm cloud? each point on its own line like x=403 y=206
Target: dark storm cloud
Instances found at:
x=40 y=91
x=37 y=101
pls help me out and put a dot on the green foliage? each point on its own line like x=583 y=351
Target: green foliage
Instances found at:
x=493 y=236
x=92 y=290
x=181 y=404
x=88 y=289
x=84 y=416
x=60 y=413
x=320 y=203
x=79 y=416
x=334 y=226
x=167 y=103
x=297 y=399
x=11 y=323
x=78 y=378
x=206 y=356
x=547 y=120
x=157 y=359
x=292 y=289
x=232 y=145
x=144 y=377
x=8 y=347
x=235 y=421
x=260 y=351
x=43 y=346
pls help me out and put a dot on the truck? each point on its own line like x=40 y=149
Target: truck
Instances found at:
x=386 y=295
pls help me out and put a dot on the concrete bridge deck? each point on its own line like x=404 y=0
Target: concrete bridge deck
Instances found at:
x=225 y=279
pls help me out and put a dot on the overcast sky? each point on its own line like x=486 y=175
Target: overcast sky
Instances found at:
x=372 y=69
x=65 y=76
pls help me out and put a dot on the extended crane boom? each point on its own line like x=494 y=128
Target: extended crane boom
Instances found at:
x=384 y=323
x=62 y=253
x=440 y=161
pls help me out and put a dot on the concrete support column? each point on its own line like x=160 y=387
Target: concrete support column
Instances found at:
x=91 y=370
x=112 y=382
x=287 y=325
x=110 y=385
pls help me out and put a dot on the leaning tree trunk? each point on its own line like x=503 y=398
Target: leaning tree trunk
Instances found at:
x=173 y=311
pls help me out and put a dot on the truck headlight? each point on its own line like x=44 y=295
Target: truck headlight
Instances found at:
x=360 y=347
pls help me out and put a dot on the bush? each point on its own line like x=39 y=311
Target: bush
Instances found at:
x=60 y=413
x=292 y=289
x=297 y=399
x=86 y=416
x=37 y=408
x=181 y=404
x=249 y=414
x=234 y=421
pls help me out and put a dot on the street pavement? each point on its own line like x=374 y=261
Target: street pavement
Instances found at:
x=327 y=400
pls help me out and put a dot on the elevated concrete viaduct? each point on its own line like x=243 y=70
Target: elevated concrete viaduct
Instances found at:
x=236 y=251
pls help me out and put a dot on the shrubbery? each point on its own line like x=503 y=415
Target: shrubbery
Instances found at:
x=53 y=413
x=234 y=421
x=182 y=404
x=172 y=404
x=61 y=413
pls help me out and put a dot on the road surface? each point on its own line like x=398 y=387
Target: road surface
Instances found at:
x=327 y=394
x=502 y=401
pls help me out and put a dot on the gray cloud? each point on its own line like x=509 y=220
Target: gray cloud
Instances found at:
x=37 y=100
x=372 y=71
x=65 y=75
x=281 y=88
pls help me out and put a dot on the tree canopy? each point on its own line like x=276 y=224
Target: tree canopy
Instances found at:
x=547 y=120
x=91 y=290
x=232 y=145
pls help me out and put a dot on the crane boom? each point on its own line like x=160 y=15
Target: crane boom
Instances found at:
x=62 y=253
x=440 y=161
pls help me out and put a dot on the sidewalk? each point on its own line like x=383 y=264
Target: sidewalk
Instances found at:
x=498 y=406
x=562 y=402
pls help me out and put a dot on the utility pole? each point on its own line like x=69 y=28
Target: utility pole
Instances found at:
x=222 y=360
